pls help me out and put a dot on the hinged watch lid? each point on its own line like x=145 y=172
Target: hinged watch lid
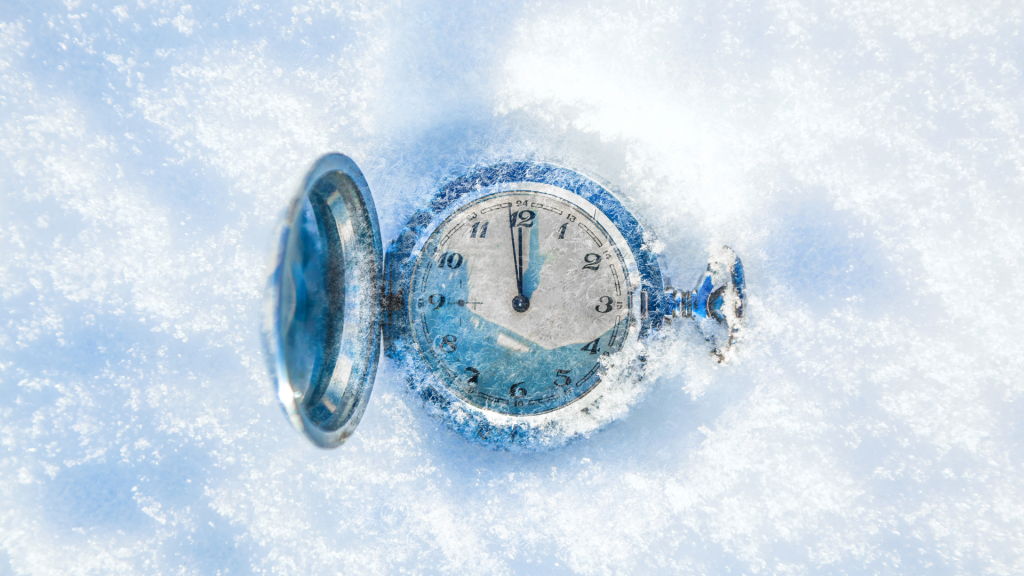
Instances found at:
x=321 y=319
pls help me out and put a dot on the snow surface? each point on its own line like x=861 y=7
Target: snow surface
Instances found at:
x=864 y=158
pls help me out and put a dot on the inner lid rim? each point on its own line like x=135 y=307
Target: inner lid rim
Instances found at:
x=327 y=408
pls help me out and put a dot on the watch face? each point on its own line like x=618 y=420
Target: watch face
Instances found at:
x=519 y=297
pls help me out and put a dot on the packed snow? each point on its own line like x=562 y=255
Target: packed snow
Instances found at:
x=864 y=158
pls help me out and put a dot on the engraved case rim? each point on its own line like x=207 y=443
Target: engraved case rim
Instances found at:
x=328 y=407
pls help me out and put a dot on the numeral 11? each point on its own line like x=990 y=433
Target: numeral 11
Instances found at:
x=483 y=230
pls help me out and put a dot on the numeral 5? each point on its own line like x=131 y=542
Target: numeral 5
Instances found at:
x=562 y=378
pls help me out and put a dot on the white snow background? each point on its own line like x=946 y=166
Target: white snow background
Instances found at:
x=863 y=157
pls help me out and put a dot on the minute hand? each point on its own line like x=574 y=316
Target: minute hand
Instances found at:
x=519 y=267
x=520 y=303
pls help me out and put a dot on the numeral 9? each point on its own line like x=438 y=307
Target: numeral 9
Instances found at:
x=436 y=300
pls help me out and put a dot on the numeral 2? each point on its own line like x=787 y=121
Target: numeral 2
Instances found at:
x=593 y=261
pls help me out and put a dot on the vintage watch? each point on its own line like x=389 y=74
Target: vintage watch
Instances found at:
x=519 y=302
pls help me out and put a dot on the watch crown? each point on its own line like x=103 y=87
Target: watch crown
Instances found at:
x=680 y=303
x=716 y=304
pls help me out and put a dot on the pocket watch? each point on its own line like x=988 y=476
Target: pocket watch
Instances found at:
x=520 y=303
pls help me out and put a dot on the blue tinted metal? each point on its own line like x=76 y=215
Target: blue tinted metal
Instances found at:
x=321 y=327
x=704 y=290
x=717 y=303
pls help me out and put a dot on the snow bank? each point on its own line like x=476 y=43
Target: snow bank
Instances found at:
x=864 y=159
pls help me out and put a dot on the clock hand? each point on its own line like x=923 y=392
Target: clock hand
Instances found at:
x=520 y=303
x=512 y=236
x=519 y=280
x=531 y=272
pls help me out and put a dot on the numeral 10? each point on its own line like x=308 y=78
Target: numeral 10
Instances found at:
x=452 y=259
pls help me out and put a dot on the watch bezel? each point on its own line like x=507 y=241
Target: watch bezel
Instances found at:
x=529 y=432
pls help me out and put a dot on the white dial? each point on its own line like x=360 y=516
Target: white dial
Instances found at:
x=519 y=295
